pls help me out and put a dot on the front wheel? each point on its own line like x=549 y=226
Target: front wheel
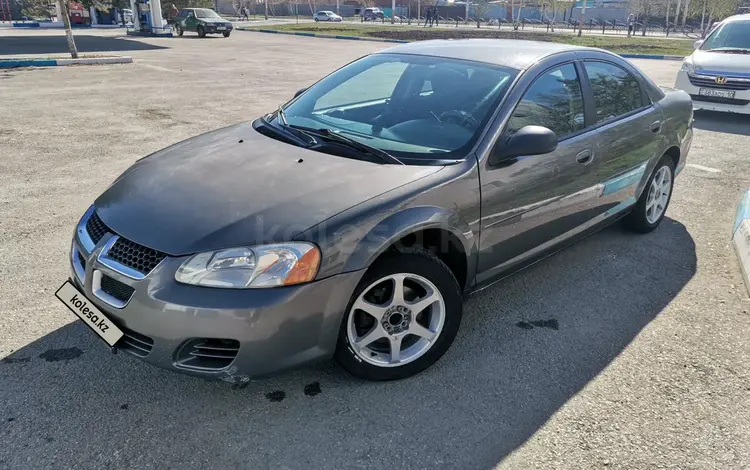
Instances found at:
x=226 y=33
x=201 y=32
x=402 y=317
x=649 y=211
x=178 y=29
x=316 y=20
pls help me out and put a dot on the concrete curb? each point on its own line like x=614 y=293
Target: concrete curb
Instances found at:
x=12 y=63
x=741 y=238
x=401 y=41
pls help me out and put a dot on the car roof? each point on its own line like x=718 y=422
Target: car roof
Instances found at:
x=732 y=19
x=517 y=54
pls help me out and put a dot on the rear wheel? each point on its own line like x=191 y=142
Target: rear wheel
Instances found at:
x=201 y=32
x=178 y=29
x=316 y=20
x=649 y=211
x=402 y=317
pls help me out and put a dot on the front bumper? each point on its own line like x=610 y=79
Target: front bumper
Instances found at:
x=739 y=104
x=276 y=329
x=215 y=28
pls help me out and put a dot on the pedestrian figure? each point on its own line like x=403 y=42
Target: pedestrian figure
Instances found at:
x=428 y=17
x=631 y=22
x=435 y=16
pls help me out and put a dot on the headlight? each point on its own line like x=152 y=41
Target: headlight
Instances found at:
x=687 y=66
x=282 y=264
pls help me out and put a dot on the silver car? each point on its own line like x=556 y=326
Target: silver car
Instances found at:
x=717 y=74
x=353 y=221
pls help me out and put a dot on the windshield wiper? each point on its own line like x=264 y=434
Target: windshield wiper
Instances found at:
x=334 y=136
x=282 y=116
x=738 y=50
x=302 y=138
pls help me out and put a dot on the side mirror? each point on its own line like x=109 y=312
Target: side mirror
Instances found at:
x=697 y=44
x=300 y=91
x=529 y=140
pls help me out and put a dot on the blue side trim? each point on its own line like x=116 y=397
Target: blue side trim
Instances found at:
x=305 y=34
x=743 y=212
x=353 y=38
x=621 y=206
x=27 y=63
x=26 y=25
x=621 y=182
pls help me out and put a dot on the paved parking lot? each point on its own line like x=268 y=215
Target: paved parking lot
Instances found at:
x=644 y=366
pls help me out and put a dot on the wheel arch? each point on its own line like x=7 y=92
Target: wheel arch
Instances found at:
x=440 y=231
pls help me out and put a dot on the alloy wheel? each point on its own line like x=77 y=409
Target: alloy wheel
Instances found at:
x=658 y=194
x=396 y=320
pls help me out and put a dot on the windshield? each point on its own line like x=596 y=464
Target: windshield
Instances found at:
x=734 y=35
x=409 y=106
x=206 y=14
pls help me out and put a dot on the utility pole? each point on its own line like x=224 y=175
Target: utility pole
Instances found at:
x=337 y=7
x=466 y=16
x=68 y=32
x=393 y=11
x=703 y=20
x=266 y=8
x=583 y=18
x=419 y=10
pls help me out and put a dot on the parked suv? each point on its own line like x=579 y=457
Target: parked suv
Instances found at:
x=372 y=14
x=717 y=74
x=202 y=21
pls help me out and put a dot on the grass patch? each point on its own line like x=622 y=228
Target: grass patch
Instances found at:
x=624 y=45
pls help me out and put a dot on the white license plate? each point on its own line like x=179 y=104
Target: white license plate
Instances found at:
x=716 y=93
x=86 y=311
x=221 y=28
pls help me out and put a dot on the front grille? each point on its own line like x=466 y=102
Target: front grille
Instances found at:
x=116 y=289
x=135 y=256
x=134 y=343
x=96 y=228
x=716 y=99
x=208 y=353
x=711 y=83
x=82 y=260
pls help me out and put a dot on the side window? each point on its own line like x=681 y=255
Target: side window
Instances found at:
x=616 y=91
x=553 y=101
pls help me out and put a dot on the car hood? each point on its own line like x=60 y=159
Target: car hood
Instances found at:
x=235 y=186
x=715 y=63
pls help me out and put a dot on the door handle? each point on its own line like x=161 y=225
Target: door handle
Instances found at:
x=585 y=157
x=656 y=127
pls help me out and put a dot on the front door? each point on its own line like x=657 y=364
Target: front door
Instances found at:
x=530 y=203
x=191 y=22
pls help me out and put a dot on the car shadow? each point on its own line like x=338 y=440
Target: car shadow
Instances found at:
x=58 y=45
x=727 y=123
x=526 y=346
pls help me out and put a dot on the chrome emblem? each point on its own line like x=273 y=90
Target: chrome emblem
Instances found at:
x=721 y=80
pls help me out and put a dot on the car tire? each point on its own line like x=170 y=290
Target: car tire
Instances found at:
x=226 y=33
x=426 y=279
x=178 y=29
x=201 y=32
x=316 y=20
x=649 y=210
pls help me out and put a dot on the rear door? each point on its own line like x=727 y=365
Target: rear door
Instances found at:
x=534 y=202
x=630 y=128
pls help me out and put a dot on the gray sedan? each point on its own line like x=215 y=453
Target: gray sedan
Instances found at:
x=353 y=221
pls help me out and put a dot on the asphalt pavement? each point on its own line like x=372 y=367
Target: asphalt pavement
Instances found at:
x=623 y=351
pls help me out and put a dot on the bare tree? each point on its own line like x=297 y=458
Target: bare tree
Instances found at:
x=481 y=8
